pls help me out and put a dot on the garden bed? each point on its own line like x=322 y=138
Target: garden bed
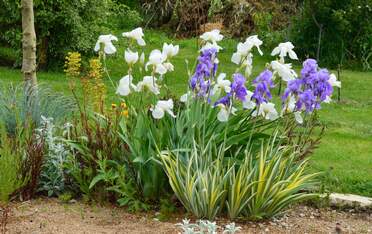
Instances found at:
x=52 y=216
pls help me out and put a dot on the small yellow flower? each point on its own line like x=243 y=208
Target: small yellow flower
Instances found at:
x=113 y=106
x=123 y=105
x=125 y=113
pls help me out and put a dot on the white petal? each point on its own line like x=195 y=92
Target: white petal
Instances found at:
x=236 y=58
x=272 y=115
x=157 y=113
x=293 y=55
x=124 y=86
x=223 y=115
x=161 y=69
x=275 y=51
x=97 y=47
x=298 y=117
x=248 y=104
x=327 y=100
x=141 y=42
x=170 y=112
x=142 y=58
x=110 y=48
x=169 y=66
x=184 y=98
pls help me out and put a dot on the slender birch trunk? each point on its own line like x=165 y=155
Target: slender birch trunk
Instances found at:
x=28 y=44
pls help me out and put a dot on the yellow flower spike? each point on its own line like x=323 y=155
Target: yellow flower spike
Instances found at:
x=96 y=88
x=73 y=64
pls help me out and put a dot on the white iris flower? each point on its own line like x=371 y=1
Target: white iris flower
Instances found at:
x=285 y=71
x=161 y=107
x=156 y=60
x=130 y=57
x=106 y=41
x=222 y=84
x=284 y=49
x=267 y=110
x=149 y=83
x=137 y=35
x=125 y=86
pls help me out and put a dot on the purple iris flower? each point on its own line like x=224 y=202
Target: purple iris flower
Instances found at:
x=310 y=67
x=311 y=89
x=293 y=87
x=322 y=88
x=263 y=84
x=238 y=87
x=306 y=99
x=200 y=80
x=224 y=100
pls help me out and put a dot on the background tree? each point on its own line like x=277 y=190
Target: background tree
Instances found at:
x=28 y=44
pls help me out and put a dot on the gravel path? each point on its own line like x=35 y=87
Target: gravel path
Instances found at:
x=51 y=216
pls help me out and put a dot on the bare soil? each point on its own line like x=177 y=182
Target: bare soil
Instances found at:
x=51 y=216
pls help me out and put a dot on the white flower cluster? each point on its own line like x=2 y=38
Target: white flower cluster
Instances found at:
x=158 y=62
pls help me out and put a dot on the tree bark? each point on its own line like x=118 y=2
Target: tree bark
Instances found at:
x=28 y=44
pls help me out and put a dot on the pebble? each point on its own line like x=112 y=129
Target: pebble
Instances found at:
x=302 y=215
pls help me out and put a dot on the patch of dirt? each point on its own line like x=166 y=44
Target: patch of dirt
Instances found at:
x=51 y=216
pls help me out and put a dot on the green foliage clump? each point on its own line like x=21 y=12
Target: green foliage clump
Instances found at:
x=338 y=31
x=27 y=106
x=10 y=166
x=258 y=186
x=199 y=178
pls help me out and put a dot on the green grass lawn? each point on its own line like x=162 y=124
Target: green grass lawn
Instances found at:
x=345 y=154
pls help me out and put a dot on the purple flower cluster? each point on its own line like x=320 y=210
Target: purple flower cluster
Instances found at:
x=238 y=90
x=263 y=85
x=200 y=81
x=311 y=89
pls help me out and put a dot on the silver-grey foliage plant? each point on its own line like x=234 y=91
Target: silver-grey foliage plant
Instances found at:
x=52 y=177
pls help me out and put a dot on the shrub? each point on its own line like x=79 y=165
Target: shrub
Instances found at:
x=337 y=32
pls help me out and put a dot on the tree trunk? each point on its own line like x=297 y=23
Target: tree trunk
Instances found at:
x=28 y=44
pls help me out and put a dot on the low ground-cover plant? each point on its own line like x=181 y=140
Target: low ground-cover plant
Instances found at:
x=205 y=226
x=149 y=144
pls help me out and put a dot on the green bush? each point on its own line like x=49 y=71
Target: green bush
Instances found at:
x=345 y=32
x=63 y=26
